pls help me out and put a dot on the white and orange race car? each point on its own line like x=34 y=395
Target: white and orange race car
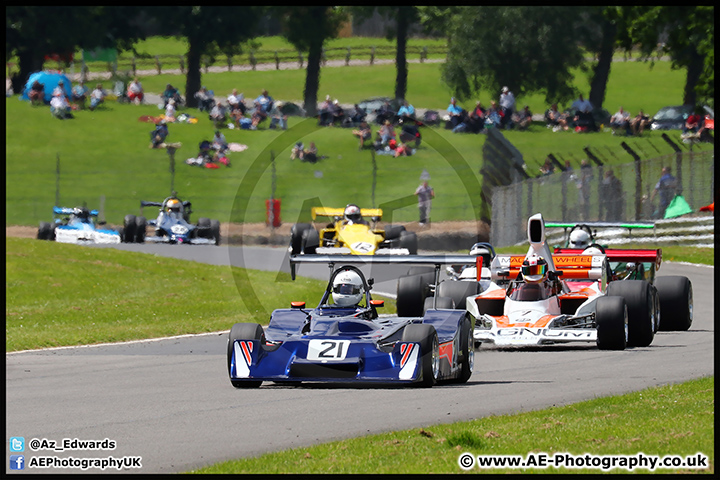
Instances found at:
x=541 y=298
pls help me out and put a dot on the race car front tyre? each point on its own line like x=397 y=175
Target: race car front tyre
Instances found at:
x=243 y=331
x=408 y=240
x=458 y=291
x=427 y=337
x=140 y=229
x=411 y=291
x=611 y=318
x=641 y=305
x=203 y=230
x=676 y=302
x=215 y=231
x=129 y=228
x=393 y=231
x=467 y=351
x=45 y=231
x=440 y=303
x=296 y=233
x=310 y=241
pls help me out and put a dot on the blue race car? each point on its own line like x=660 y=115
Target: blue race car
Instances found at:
x=76 y=225
x=344 y=339
x=172 y=225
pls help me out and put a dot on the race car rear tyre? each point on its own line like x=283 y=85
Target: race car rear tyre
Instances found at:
x=676 y=302
x=45 y=231
x=408 y=240
x=441 y=303
x=467 y=351
x=203 y=230
x=215 y=231
x=393 y=231
x=458 y=291
x=296 y=233
x=411 y=292
x=244 y=331
x=641 y=305
x=427 y=337
x=611 y=317
x=129 y=228
x=140 y=229
x=310 y=241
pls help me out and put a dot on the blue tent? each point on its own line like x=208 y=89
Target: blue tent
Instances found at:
x=49 y=80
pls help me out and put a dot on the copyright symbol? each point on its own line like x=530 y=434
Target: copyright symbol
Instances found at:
x=466 y=461
x=34 y=444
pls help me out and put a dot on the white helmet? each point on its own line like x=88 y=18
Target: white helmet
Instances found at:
x=347 y=288
x=579 y=239
x=352 y=213
x=592 y=251
x=534 y=269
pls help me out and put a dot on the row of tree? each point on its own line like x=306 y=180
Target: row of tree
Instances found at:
x=530 y=49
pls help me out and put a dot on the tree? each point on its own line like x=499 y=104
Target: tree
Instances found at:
x=33 y=32
x=404 y=16
x=307 y=28
x=529 y=49
x=209 y=30
x=686 y=34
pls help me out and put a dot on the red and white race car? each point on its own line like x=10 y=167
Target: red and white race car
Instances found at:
x=541 y=298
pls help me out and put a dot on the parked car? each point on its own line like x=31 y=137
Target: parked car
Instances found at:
x=671 y=118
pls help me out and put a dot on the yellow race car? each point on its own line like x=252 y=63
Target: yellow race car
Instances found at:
x=350 y=233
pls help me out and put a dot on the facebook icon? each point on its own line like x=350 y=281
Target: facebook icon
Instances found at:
x=17 y=462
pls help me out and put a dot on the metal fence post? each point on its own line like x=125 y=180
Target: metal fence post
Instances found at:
x=277 y=61
x=158 y=65
x=182 y=64
x=372 y=55
x=347 y=57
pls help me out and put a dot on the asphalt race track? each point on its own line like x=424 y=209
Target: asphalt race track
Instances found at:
x=170 y=401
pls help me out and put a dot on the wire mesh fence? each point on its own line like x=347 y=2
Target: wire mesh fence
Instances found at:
x=618 y=193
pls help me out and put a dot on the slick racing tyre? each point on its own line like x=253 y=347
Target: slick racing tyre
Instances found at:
x=458 y=291
x=612 y=320
x=310 y=241
x=203 y=230
x=296 y=233
x=408 y=240
x=467 y=351
x=140 y=229
x=427 y=337
x=45 y=231
x=244 y=331
x=129 y=229
x=676 y=302
x=393 y=231
x=411 y=292
x=440 y=303
x=215 y=231
x=642 y=312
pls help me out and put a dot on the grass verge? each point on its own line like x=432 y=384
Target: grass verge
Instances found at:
x=667 y=420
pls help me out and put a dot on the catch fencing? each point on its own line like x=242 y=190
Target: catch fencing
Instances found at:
x=585 y=195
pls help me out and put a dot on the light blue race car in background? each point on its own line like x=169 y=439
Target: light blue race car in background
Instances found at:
x=76 y=225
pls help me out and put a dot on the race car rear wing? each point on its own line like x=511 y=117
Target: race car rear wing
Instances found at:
x=70 y=211
x=584 y=267
x=435 y=260
x=374 y=213
x=644 y=255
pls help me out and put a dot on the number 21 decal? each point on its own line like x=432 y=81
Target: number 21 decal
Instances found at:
x=327 y=350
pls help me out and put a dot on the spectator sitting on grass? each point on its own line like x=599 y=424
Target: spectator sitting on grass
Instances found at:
x=325 y=112
x=363 y=133
x=170 y=111
x=638 y=124
x=455 y=112
x=357 y=115
x=59 y=107
x=406 y=113
x=158 y=136
x=206 y=100
x=310 y=155
x=218 y=115
x=338 y=114
x=410 y=132
x=277 y=116
x=620 y=121
x=236 y=103
x=79 y=94
x=171 y=93
x=135 y=91
x=219 y=142
x=402 y=150
x=385 y=112
x=555 y=119
x=492 y=117
x=97 y=96
x=37 y=93
x=524 y=118
x=386 y=133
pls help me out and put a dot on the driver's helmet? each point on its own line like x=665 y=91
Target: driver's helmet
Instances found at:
x=579 y=239
x=352 y=213
x=534 y=269
x=173 y=206
x=347 y=288
x=482 y=251
x=82 y=213
x=592 y=251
